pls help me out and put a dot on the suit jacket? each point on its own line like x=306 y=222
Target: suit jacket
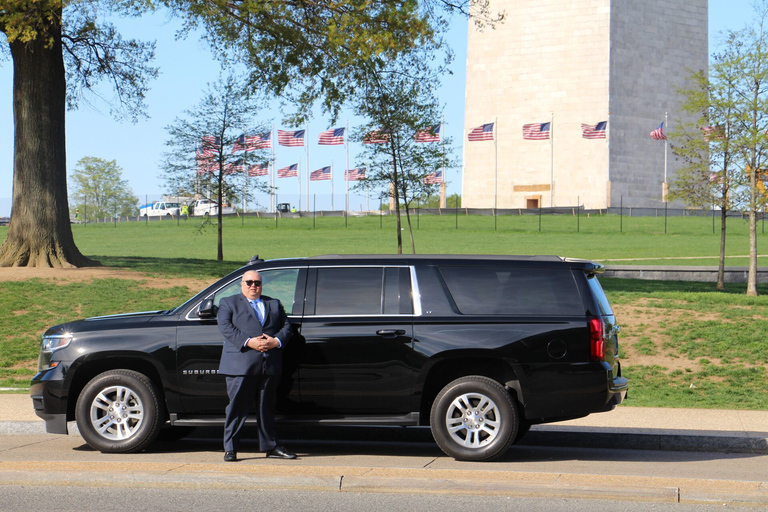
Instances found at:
x=237 y=322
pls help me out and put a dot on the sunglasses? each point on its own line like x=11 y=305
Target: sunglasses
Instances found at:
x=252 y=283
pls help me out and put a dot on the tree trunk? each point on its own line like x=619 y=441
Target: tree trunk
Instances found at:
x=752 y=275
x=395 y=186
x=40 y=234
x=219 y=219
x=721 y=263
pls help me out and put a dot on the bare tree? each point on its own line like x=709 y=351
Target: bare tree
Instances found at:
x=204 y=145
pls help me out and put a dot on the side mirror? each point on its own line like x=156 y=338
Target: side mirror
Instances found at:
x=206 y=309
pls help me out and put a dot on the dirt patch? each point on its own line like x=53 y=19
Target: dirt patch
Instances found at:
x=68 y=275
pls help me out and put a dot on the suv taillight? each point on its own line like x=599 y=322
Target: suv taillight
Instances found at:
x=596 y=339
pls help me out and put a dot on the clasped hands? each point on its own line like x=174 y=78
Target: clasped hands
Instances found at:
x=262 y=343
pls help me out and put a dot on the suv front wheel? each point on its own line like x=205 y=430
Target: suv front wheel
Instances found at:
x=474 y=418
x=119 y=412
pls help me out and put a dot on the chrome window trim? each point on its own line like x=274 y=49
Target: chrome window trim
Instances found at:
x=415 y=293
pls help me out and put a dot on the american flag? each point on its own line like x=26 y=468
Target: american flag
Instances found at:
x=431 y=134
x=233 y=167
x=434 y=178
x=258 y=170
x=324 y=173
x=536 y=131
x=205 y=162
x=210 y=145
x=597 y=131
x=484 y=132
x=263 y=140
x=658 y=133
x=292 y=171
x=290 y=138
x=332 y=137
x=713 y=132
x=354 y=174
x=248 y=143
x=376 y=137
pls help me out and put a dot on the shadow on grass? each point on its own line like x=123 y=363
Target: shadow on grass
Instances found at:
x=612 y=284
x=187 y=267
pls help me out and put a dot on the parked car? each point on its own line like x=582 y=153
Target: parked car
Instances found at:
x=160 y=209
x=205 y=207
x=477 y=347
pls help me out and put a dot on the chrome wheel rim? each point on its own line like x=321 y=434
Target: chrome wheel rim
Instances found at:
x=117 y=413
x=473 y=420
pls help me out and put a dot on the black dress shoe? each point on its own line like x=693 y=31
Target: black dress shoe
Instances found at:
x=279 y=452
x=230 y=456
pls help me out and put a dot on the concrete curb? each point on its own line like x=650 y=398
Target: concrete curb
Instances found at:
x=691 y=441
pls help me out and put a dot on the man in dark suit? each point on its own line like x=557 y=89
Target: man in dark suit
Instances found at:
x=255 y=328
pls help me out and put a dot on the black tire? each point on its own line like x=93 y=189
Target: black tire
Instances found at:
x=474 y=418
x=119 y=412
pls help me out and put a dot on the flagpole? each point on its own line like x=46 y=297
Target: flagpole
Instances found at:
x=495 y=168
x=443 y=200
x=552 y=161
x=664 y=186
x=346 y=169
x=273 y=173
x=608 y=144
x=245 y=174
x=332 y=204
x=298 y=174
x=306 y=141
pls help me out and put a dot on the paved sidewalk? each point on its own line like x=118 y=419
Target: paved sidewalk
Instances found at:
x=417 y=466
x=630 y=427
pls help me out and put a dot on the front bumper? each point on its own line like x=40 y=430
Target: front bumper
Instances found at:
x=50 y=402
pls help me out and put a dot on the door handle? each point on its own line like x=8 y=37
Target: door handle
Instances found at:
x=390 y=332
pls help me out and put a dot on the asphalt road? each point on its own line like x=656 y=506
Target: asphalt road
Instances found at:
x=77 y=499
x=411 y=466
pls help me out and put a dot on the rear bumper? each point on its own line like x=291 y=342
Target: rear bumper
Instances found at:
x=553 y=392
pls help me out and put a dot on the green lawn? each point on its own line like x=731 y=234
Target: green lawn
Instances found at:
x=688 y=240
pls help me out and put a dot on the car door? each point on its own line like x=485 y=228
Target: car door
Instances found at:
x=357 y=334
x=202 y=390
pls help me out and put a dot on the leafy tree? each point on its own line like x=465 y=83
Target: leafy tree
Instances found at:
x=203 y=158
x=750 y=68
x=99 y=191
x=60 y=52
x=732 y=105
x=399 y=99
x=705 y=142
x=46 y=46
x=432 y=200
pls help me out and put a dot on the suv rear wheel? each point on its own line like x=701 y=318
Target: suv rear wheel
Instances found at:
x=118 y=411
x=474 y=418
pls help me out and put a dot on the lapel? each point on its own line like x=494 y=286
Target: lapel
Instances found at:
x=248 y=306
x=267 y=309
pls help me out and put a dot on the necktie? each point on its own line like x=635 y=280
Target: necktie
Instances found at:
x=259 y=313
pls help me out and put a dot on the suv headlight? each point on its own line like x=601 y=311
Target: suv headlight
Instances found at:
x=55 y=342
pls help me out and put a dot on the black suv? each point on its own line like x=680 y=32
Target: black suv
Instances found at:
x=478 y=347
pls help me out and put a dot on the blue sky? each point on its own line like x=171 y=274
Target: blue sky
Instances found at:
x=186 y=67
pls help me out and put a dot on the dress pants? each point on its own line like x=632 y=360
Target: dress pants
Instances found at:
x=242 y=391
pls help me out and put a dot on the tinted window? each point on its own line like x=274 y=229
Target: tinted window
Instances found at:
x=597 y=291
x=397 y=291
x=278 y=284
x=349 y=291
x=513 y=291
